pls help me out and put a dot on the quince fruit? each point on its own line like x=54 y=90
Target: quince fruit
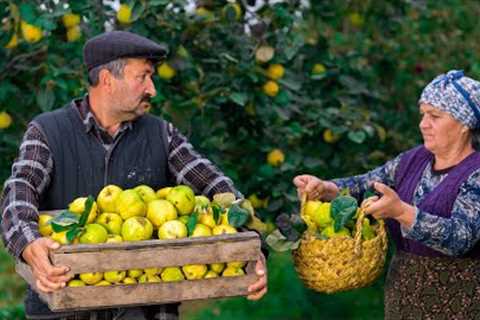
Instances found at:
x=183 y=198
x=322 y=216
x=44 y=226
x=91 y=278
x=223 y=229
x=110 y=221
x=210 y=274
x=130 y=204
x=128 y=280
x=162 y=193
x=114 y=276
x=172 y=229
x=135 y=273
x=107 y=197
x=232 y=272
x=76 y=283
x=217 y=267
x=194 y=271
x=329 y=232
x=146 y=193
x=172 y=274
x=160 y=211
x=201 y=230
x=94 y=233
x=137 y=229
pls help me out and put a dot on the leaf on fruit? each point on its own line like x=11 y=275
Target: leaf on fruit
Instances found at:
x=237 y=216
x=88 y=206
x=64 y=221
x=192 y=222
x=343 y=208
x=217 y=212
x=278 y=242
x=73 y=233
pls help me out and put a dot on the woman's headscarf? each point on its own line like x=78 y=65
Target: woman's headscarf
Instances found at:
x=456 y=94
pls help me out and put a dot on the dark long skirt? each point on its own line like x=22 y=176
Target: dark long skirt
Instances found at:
x=432 y=288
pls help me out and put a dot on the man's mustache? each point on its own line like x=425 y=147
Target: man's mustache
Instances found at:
x=146 y=98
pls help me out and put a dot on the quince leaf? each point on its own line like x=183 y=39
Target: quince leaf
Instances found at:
x=192 y=222
x=278 y=242
x=343 y=208
x=237 y=216
x=217 y=212
x=88 y=206
x=73 y=233
x=64 y=221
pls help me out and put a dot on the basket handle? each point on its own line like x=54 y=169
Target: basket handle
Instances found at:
x=303 y=201
x=358 y=233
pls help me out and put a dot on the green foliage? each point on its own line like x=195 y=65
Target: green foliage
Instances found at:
x=12 y=288
x=376 y=60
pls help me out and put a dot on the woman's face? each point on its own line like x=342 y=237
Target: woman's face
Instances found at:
x=439 y=129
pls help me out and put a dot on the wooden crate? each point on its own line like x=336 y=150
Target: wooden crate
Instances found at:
x=242 y=246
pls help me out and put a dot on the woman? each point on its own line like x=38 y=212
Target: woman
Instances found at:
x=430 y=198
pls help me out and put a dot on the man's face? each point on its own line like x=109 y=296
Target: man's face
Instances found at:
x=131 y=94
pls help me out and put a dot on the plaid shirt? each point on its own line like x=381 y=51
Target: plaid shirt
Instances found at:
x=32 y=171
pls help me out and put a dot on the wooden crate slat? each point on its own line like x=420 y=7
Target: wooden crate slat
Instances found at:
x=191 y=253
x=236 y=237
x=150 y=293
x=93 y=297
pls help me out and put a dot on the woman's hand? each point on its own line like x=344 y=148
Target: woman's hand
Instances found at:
x=314 y=187
x=389 y=205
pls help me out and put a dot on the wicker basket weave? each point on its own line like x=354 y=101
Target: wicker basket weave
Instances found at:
x=341 y=263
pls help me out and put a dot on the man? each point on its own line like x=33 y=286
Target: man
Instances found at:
x=104 y=138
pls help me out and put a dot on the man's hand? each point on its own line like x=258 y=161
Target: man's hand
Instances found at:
x=259 y=288
x=48 y=277
x=389 y=205
x=314 y=187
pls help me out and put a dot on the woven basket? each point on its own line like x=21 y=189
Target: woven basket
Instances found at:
x=341 y=263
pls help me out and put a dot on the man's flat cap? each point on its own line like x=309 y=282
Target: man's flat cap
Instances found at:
x=113 y=45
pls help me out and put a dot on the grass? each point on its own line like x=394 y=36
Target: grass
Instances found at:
x=287 y=298
x=12 y=288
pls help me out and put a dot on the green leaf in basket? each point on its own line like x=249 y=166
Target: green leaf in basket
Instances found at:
x=73 y=233
x=64 y=221
x=88 y=206
x=343 y=208
x=192 y=222
x=237 y=216
x=278 y=242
